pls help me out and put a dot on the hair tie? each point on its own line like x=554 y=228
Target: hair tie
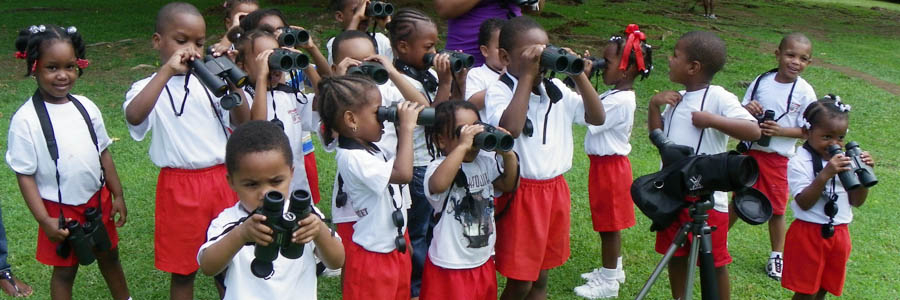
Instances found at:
x=633 y=43
x=83 y=63
x=34 y=66
x=838 y=103
x=21 y=55
x=806 y=124
x=71 y=30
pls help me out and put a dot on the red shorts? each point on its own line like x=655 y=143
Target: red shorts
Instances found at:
x=533 y=231
x=719 y=236
x=345 y=231
x=46 y=250
x=476 y=283
x=772 y=180
x=312 y=175
x=372 y=275
x=609 y=191
x=812 y=262
x=186 y=202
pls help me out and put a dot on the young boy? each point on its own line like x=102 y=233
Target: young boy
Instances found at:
x=533 y=222
x=351 y=14
x=702 y=116
x=788 y=95
x=258 y=159
x=480 y=78
x=190 y=131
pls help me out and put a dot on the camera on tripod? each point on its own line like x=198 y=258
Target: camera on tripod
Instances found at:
x=291 y=37
x=860 y=174
x=285 y=60
x=85 y=237
x=214 y=72
x=458 y=60
x=491 y=138
x=378 y=9
x=559 y=60
x=389 y=113
x=283 y=226
x=372 y=70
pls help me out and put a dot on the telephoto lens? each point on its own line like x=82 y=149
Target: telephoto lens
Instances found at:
x=458 y=60
x=273 y=203
x=389 y=113
x=80 y=243
x=94 y=229
x=299 y=208
x=559 y=60
x=207 y=78
x=291 y=37
x=230 y=101
x=863 y=171
x=378 y=9
x=370 y=69
x=848 y=178
x=764 y=140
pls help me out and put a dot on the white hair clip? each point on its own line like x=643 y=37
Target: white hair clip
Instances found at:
x=42 y=28
x=71 y=30
x=36 y=29
x=615 y=38
x=807 y=125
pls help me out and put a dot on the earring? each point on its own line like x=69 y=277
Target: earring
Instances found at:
x=354 y=129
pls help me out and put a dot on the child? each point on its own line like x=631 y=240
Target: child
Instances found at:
x=460 y=187
x=607 y=146
x=787 y=94
x=58 y=145
x=702 y=116
x=351 y=14
x=533 y=222
x=190 y=131
x=258 y=158
x=816 y=263
x=378 y=263
x=235 y=11
x=480 y=78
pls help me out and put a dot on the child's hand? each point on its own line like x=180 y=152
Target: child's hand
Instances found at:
x=118 y=206
x=588 y=64
x=441 y=64
x=236 y=19
x=384 y=61
x=359 y=15
x=178 y=62
x=532 y=55
x=837 y=163
x=667 y=97
x=771 y=128
x=754 y=108
x=50 y=226
x=253 y=230
x=262 y=63
x=310 y=44
x=703 y=119
x=220 y=48
x=309 y=229
x=867 y=159
x=408 y=113
x=467 y=135
x=340 y=69
x=382 y=22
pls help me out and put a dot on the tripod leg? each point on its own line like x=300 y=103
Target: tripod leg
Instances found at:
x=692 y=261
x=708 y=284
x=679 y=240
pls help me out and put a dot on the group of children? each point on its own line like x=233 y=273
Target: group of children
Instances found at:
x=420 y=211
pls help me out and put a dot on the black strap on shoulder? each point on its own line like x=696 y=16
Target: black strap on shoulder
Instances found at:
x=428 y=81
x=758 y=79
x=816 y=159
x=508 y=81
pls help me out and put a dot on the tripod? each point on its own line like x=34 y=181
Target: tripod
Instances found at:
x=701 y=247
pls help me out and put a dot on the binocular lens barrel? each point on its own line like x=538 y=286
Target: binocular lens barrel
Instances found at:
x=208 y=79
x=559 y=60
x=373 y=70
x=290 y=37
x=764 y=140
x=848 y=178
x=505 y=142
x=863 y=171
x=487 y=141
x=230 y=101
x=80 y=243
x=389 y=113
x=379 y=9
x=95 y=230
x=458 y=60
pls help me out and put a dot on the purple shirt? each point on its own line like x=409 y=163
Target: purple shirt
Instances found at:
x=462 y=31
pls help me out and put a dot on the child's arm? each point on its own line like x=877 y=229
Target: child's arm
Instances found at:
x=115 y=188
x=142 y=104
x=654 y=115
x=771 y=128
x=478 y=99
x=313 y=74
x=509 y=180
x=737 y=128
x=50 y=225
x=859 y=195
x=594 y=113
x=807 y=198
x=241 y=113
x=329 y=248
x=445 y=173
x=216 y=257
x=358 y=15
x=445 y=77
x=513 y=118
x=318 y=59
x=407 y=112
x=406 y=88
x=260 y=108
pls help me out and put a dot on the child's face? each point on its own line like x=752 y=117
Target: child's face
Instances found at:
x=448 y=143
x=612 y=74
x=412 y=51
x=491 y=52
x=240 y=8
x=345 y=15
x=793 y=59
x=258 y=173
x=187 y=30
x=515 y=64
x=272 y=21
x=828 y=132
x=365 y=119
x=358 y=49
x=680 y=68
x=253 y=68
x=56 y=71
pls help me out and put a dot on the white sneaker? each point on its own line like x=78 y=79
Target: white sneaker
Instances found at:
x=773 y=268
x=331 y=272
x=595 y=273
x=598 y=288
x=620 y=276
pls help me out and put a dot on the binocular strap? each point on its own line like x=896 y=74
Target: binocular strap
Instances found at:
x=787 y=107
x=702 y=131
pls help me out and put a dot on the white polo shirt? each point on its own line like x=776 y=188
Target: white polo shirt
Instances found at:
x=194 y=140
x=612 y=138
x=79 y=162
x=679 y=127
x=421 y=157
x=383 y=47
x=479 y=79
x=548 y=152
x=774 y=95
x=800 y=175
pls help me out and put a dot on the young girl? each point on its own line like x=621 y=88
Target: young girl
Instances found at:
x=607 y=146
x=58 y=146
x=378 y=263
x=235 y=11
x=818 y=241
x=460 y=187
x=480 y=78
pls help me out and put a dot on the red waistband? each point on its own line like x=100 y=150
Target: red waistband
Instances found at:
x=817 y=224
x=553 y=180
x=768 y=155
x=192 y=171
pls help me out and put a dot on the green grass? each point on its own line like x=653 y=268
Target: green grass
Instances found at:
x=846 y=35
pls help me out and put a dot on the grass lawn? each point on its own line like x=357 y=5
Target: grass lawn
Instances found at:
x=854 y=56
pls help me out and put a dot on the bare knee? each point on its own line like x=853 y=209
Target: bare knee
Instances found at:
x=183 y=279
x=64 y=274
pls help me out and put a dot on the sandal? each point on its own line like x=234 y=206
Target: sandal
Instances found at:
x=10 y=285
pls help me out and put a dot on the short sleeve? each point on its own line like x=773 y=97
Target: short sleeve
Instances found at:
x=436 y=200
x=476 y=82
x=139 y=131
x=573 y=102
x=369 y=171
x=328 y=47
x=729 y=107
x=748 y=95
x=103 y=140
x=217 y=230
x=616 y=112
x=807 y=97
x=799 y=174
x=496 y=100
x=309 y=119
x=20 y=153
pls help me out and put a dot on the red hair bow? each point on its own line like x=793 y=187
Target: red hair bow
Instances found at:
x=633 y=43
x=82 y=63
x=21 y=55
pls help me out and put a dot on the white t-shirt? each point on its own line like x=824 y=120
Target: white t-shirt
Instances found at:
x=555 y=142
x=464 y=237
x=679 y=127
x=295 y=277
x=383 y=47
x=800 y=175
x=773 y=95
x=79 y=162
x=421 y=157
x=196 y=139
x=479 y=79
x=612 y=137
x=367 y=184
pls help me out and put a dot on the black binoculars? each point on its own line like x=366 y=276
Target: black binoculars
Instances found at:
x=283 y=226
x=860 y=173
x=389 y=113
x=85 y=237
x=378 y=9
x=491 y=138
x=291 y=37
x=214 y=71
x=559 y=60
x=458 y=60
x=370 y=69
x=286 y=60
x=768 y=115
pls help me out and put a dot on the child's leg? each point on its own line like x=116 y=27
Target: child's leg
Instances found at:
x=182 y=286
x=724 y=284
x=677 y=275
x=61 y=282
x=610 y=245
x=818 y=296
x=516 y=289
x=776 y=232
x=539 y=287
x=111 y=269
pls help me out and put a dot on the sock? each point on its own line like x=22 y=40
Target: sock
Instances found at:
x=619 y=263
x=775 y=254
x=608 y=274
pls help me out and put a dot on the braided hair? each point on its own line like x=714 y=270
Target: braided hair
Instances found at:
x=646 y=49
x=32 y=41
x=336 y=95
x=445 y=123
x=403 y=24
x=828 y=108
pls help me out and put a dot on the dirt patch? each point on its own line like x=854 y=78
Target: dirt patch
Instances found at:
x=566 y=28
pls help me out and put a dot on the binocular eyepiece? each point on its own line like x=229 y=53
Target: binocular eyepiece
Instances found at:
x=85 y=237
x=559 y=60
x=283 y=226
x=491 y=139
x=370 y=69
x=768 y=115
x=213 y=72
x=458 y=60
x=378 y=9
x=291 y=37
x=389 y=113
x=286 y=60
x=860 y=174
